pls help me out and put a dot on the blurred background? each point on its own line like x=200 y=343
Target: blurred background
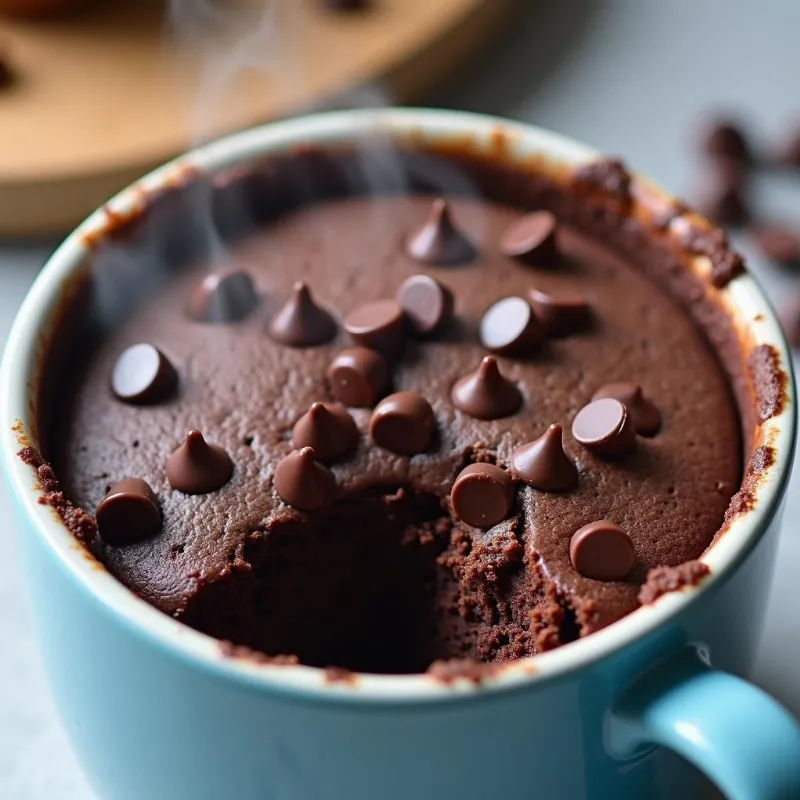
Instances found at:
x=90 y=99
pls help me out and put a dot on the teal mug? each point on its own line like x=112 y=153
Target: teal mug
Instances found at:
x=643 y=708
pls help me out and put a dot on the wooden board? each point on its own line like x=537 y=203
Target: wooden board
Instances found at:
x=105 y=94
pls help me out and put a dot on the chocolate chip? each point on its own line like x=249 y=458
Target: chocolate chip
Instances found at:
x=725 y=138
x=482 y=495
x=128 y=513
x=327 y=428
x=602 y=551
x=778 y=243
x=560 y=311
x=789 y=314
x=722 y=199
x=428 y=305
x=486 y=393
x=543 y=464
x=789 y=153
x=143 y=374
x=225 y=296
x=644 y=413
x=197 y=467
x=438 y=241
x=379 y=325
x=301 y=322
x=303 y=482
x=358 y=376
x=605 y=427
x=403 y=423
x=532 y=239
x=510 y=327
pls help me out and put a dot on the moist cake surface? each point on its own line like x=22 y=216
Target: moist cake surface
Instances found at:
x=385 y=576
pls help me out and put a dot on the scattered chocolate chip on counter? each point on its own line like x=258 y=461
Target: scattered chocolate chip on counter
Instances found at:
x=779 y=243
x=725 y=138
x=788 y=154
x=482 y=495
x=197 y=467
x=722 y=196
x=439 y=241
x=789 y=315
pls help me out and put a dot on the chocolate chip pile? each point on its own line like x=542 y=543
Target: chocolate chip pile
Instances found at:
x=403 y=423
x=401 y=427
x=727 y=199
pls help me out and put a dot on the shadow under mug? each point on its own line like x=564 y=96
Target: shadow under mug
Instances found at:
x=156 y=710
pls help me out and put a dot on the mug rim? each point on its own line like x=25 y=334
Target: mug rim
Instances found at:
x=744 y=299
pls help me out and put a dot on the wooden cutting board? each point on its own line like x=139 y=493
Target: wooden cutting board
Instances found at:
x=104 y=94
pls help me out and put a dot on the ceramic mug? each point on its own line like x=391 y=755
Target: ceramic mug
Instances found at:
x=157 y=710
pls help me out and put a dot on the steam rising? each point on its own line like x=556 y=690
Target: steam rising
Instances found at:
x=236 y=48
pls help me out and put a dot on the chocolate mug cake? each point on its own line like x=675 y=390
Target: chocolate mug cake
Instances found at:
x=456 y=414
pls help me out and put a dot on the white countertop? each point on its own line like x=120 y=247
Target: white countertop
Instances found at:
x=628 y=76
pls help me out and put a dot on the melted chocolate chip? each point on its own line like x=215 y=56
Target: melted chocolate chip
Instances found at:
x=543 y=464
x=560 y=311
x=301 y=322
x=532 y=239
x=602 y=551
x=439 y=241
x=327 y=428
x=486 y=393
x=605 y=427
x=143 y=374
x=403 y=423
x=358 y=376
x=225 y=296
x=197 y=467
x=482 y=495
x=509 y=327
x=428 y=304
x=644 y=413
x=128 y=513
x=379 y=325
x=778 y=243
x=723 y=137
x=303 y=482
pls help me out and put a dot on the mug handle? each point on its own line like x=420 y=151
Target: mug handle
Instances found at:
x=735 y=733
